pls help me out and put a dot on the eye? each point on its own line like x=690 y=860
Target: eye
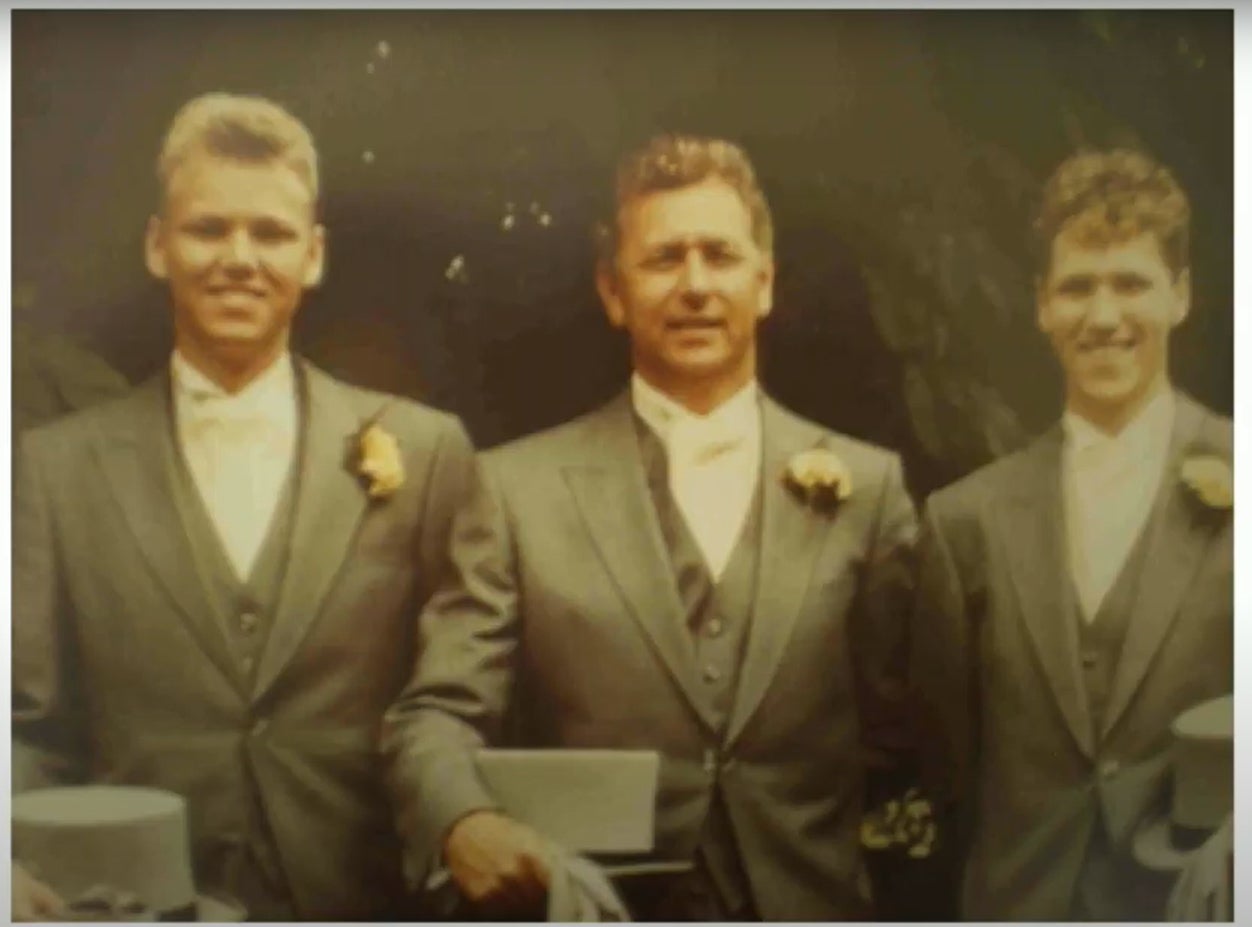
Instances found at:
x=1074 y=287
x=272 y=231
x=1130 y=284
x=205 y=227
x=662 y=258
x=722 y=255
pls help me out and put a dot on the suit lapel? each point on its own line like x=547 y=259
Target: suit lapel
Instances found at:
x=791 y=536
x=140 y=457
x=1031 y=531
x=1176 y=547
x=329 y=505
x=611 y=493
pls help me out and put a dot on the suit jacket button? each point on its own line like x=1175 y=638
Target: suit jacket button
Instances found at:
x=247 y=663
x=712 y=673
x=714 y=628
x=248 y=622
x=710 y=761
x=260 y=726
x=1109 y=768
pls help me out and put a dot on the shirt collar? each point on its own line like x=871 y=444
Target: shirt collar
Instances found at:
x=739 y=413
x=270 y=395
x=1149 y=429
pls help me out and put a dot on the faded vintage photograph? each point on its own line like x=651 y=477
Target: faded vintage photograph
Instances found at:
x=571 y=465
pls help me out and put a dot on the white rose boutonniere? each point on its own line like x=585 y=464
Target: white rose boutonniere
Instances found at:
x=1210 y=481
x=818 y=477
x=378 y=461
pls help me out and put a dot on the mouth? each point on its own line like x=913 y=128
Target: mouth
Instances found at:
x=236 y=291
x=694 y=325
x=1096 y=347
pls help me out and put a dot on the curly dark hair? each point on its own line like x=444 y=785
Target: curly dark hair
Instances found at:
x=1103 y=197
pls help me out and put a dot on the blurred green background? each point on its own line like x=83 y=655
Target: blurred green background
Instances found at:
x=465 y=156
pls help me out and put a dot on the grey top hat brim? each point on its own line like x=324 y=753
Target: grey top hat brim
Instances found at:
x=217 y=910
x=1153 y=848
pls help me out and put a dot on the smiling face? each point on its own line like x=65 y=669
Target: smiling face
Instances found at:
x=689 y=285
x=237 y=242
x=1109 y=310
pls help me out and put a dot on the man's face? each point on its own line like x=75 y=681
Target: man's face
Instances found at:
x=689 y=286
x=238 y=244
x=1109 y=311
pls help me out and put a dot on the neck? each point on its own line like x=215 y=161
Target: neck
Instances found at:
x=697 y=398
x=232 y=373
x=1112 y=419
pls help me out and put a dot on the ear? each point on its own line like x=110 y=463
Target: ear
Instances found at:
x=765 y=300
x=316 y=268
x=1041 y=304
x=154 y=249
x=1182 y=296
x=610 y=297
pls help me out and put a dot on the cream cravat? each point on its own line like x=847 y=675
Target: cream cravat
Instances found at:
x=239 y=448
x=241 y=504
x=707 y=484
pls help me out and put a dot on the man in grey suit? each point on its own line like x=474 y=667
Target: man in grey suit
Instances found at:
x=691 y=569
x=219 y=573
x=1076 y=596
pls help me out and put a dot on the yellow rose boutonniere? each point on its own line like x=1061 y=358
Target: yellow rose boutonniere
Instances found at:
x=1210 y=480
x=818 y=477
x=378 y=460
x=906 y=824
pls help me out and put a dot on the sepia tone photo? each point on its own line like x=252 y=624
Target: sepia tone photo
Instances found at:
x=564 y=465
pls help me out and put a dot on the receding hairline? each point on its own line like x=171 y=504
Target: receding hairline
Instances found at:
x=674 y=161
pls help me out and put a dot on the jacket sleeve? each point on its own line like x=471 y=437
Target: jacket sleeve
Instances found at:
x=49 y=741
x=880 y=636
x=460 y=687
x=944 y=668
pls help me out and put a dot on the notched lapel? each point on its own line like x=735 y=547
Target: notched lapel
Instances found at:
x=612 y=496
x=792 y=534
x=139 y=459
x=329 y=505
x=1031 y=531
x=1180 y=537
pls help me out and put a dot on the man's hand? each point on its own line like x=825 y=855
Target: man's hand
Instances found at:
x=498 y=863
x=32 y=900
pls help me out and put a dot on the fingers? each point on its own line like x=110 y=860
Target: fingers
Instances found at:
x=32 y=900
x=498 y=864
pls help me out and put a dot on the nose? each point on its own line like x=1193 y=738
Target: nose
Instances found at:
x=1103 y=311
x=695 y=280
x=240 y=251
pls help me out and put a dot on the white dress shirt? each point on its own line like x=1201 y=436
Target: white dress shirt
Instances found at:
x=714 y=463
x=239 y=448
x=1110 y=483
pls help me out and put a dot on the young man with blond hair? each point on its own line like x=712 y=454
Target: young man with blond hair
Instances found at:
x=219 y=573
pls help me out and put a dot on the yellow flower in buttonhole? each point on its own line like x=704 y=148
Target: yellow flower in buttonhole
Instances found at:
x=1210 y=480
x=378 y=458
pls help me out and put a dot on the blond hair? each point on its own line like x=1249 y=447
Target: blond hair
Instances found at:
x=246 y=128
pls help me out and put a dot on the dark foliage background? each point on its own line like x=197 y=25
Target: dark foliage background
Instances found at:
x=901 y=150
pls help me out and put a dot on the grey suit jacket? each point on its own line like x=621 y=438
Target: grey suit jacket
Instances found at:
x=123 y=673
x=567 y=610
x=995 y=660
